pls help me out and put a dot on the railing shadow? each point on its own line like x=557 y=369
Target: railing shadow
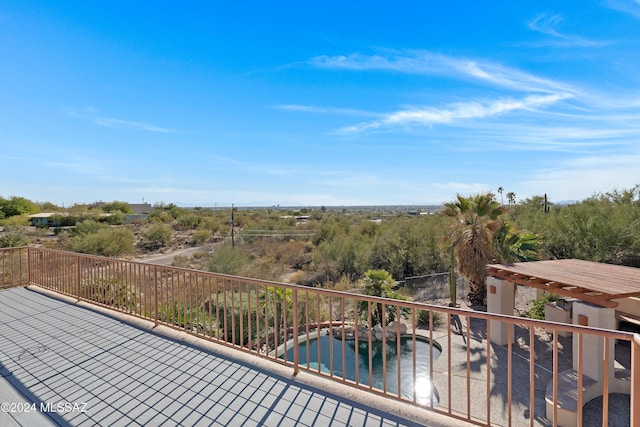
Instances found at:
x=39 y=408
x=233 y=384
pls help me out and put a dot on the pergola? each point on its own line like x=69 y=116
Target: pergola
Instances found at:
x=592 y=282
x=604 y=292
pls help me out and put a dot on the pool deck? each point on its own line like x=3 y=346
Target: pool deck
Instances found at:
x=74 y=364
x=451 y=369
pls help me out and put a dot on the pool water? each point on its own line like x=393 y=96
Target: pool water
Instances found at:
x=422 y=387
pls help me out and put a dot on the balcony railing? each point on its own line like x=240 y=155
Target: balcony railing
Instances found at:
x=14 y=267
x=281 y=322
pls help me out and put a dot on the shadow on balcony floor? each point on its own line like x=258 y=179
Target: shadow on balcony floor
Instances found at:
x=75 y=366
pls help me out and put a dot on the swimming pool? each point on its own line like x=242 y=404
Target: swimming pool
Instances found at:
x=422 y=386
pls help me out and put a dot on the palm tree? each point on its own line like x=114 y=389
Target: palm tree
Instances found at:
x=511 y=197
x=379 y=283
x=511 y=245
x=501 y=190
x=475 y=222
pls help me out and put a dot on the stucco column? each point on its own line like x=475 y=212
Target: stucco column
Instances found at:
x=593 y=348
x=500 y=299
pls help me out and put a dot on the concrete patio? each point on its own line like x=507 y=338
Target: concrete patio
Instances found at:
x=78 y=365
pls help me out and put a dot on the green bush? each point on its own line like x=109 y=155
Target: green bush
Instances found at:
x=180 y=261
x=537 y=311
x=158 y=234
x=13 y=237
x=88 y=226
x=201 y=236
x=17 y=220
x=227 y=260
x=15 y=206
x=105 y=241
x=423 y=318
x=116 y=206
x=188 y=221
x=115 y=218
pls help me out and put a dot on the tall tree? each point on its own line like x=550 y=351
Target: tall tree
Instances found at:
x=511 y=245
x=501 y=190
x=511 y=197
x=17 y=206
x=475 y=220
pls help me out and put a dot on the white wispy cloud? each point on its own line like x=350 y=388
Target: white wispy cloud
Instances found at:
x=576 y=120
x=92 y=114
x=429 y=63
x=547 y=23
x=79 y=166
x=631 y=7
x=326 y=110
x=455 y=112
x=128 y=124
x=557 y=137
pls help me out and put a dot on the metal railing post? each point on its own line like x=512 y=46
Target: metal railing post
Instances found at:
x=635 y=380
x=29 y=265
x=296 y=350
x=155 y=281
x=79 y=276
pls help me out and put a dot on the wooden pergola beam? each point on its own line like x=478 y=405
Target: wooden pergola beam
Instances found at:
x=563 y=289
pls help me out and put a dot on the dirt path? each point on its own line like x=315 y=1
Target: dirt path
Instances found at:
x=167 y=258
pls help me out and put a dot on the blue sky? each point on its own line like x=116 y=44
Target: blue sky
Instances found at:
x=317 y=103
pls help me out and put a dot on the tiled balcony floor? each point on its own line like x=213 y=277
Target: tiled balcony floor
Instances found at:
x=55 y=352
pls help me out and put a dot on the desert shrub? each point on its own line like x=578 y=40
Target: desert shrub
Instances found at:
x=88 y=226
x=17 y=220
x=105 y=241
x=116 y=206
x=180 y=261
x=264 y=269
x=293 y=253
x=200 y=236
x=408 y=247
x=188 y=221
x=324 y=275
x=139 y=220
x=115 y=218
x=211 y=223
x=297 y=277
x=343 y=283
x=113 y=291
x=422 y=317
x=343 y=255
x=228 y=332
x=158 y=234
x=13 y=237
x=161 y=216
x=227 y=260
